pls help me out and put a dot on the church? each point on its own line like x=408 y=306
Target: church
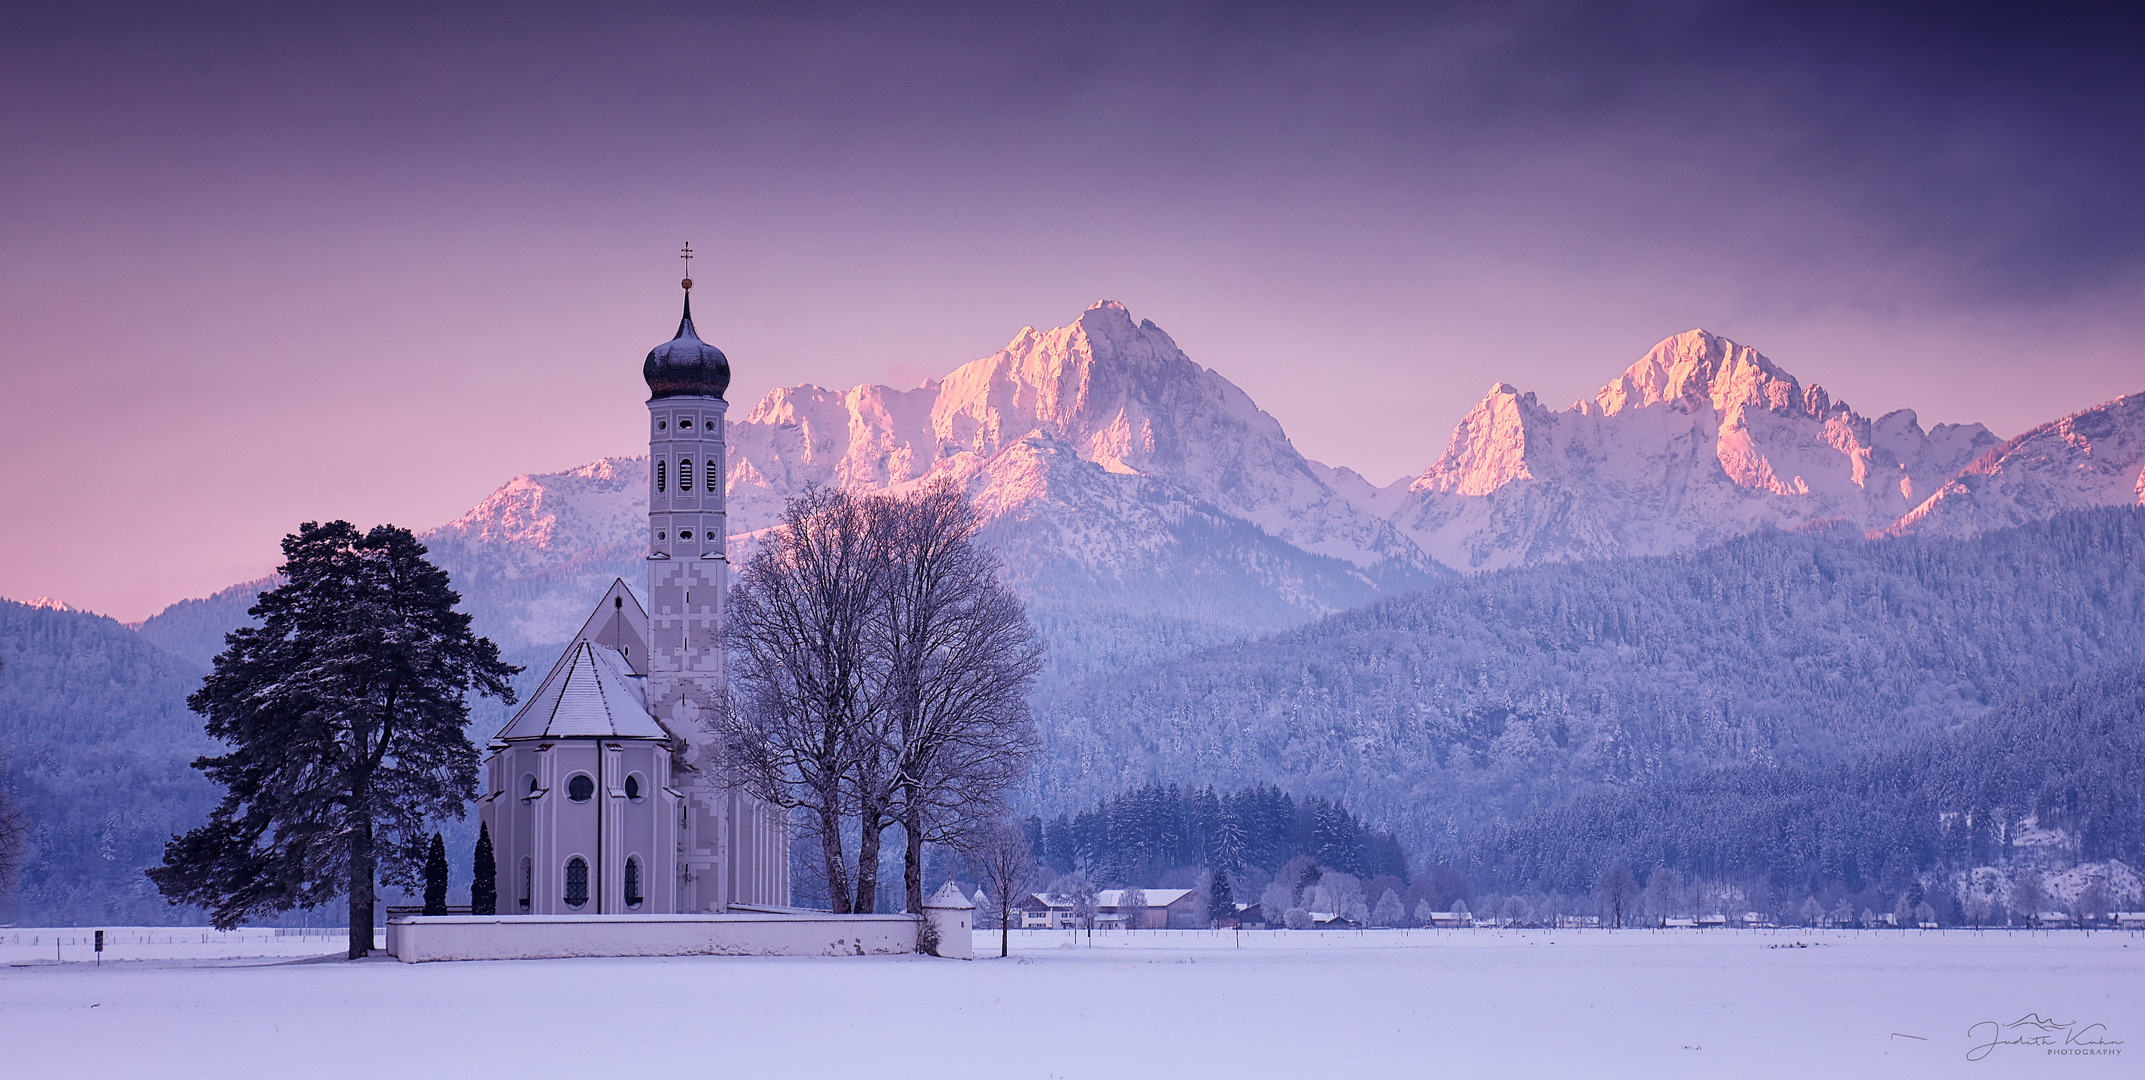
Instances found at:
x=605 y=793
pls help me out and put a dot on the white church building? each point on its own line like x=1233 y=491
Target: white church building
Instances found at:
x=614 y=827
x=604 y=793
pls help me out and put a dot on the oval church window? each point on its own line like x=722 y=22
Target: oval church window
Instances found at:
x=576 y=882
x=633 y=786
x=580 y=787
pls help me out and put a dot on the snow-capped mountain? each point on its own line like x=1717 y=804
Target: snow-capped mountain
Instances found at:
x=1701 y=440
x=1118 y=394
x=1143 y=503
x=2087 y=459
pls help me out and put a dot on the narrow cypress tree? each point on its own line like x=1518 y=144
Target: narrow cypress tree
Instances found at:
x=436 y=877
x=484 y=887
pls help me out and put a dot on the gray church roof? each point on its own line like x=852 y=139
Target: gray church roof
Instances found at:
x=591 y=691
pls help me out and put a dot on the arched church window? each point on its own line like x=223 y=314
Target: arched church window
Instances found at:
x=662 y=476
x=580 y=787
x=685 y=474
x=576 y=881
x=633 y=786
x=633 y=881
x=528 y=872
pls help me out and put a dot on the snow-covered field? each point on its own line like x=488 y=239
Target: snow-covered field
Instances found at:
x=1190 y=1004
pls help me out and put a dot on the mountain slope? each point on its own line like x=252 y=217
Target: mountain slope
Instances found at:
x=1490 y=696
x=94 y=726
x=1700 y=440
x=2088 y=459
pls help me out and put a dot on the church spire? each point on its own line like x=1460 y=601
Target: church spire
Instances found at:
x=686 y=366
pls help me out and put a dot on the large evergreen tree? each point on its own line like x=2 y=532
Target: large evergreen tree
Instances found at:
x=343 y=708
x=484 y=882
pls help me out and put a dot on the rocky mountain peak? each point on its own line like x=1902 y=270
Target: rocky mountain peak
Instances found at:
x=1698 y=368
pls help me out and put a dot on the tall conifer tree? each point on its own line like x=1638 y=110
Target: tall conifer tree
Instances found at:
x=436 y=877
x=484 y=884
x=343 y=707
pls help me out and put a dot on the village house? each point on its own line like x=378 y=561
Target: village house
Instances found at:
x=1167 y=909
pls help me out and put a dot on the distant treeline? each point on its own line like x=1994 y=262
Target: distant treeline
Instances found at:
x=1142 y=836
x=2071 y=758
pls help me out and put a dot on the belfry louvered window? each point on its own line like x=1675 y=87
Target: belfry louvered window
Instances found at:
x=662 y=477
x=576 y=882
x=685 y=474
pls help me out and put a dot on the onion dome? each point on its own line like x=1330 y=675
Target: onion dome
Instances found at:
x=686 y=366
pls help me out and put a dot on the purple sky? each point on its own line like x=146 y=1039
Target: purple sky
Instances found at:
x=266 y=264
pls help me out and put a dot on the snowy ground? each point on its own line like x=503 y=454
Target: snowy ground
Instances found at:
x=1193 y=1004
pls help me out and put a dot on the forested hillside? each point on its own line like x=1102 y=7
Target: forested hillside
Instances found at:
x=94 y=725
x=1481 y=700
x=2052 y=778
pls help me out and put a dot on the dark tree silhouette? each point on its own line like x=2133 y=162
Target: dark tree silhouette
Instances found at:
x=344 y=710
x=1619 y=888
x=436 y=877
x=484 y=883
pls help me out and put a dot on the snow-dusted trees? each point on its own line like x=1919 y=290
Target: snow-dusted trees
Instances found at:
x=1132 y=907
x=880 y=674
x=13 y=828
x=2028 y=895
x=1276 y=899
x=954 y=656
x=803 y=730
x=344 y=710
x=1389 y=911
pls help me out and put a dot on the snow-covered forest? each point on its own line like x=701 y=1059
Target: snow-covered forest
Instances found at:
x=1483 y=700
x=1164 y=834
x=1792 y=709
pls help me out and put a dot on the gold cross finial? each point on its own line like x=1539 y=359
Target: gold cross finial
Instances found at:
x=686 y=253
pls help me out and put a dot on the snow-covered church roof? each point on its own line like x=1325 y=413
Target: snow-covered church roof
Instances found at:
x=591 y=692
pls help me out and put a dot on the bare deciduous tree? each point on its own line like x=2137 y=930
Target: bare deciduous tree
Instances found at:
x=957 y=656
x=801 y=721
x=1618 y=889
x=880 y=675
x=1009 y=871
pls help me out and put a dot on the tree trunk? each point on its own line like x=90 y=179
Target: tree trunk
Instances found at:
x=362 y=859
x=912 y=861
x=1005 y=923
x=830 y=849
x=873 y=826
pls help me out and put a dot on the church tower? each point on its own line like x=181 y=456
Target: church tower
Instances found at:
x=733 y=848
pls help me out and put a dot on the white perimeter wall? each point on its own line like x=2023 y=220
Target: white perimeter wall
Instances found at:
x=532 y=937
